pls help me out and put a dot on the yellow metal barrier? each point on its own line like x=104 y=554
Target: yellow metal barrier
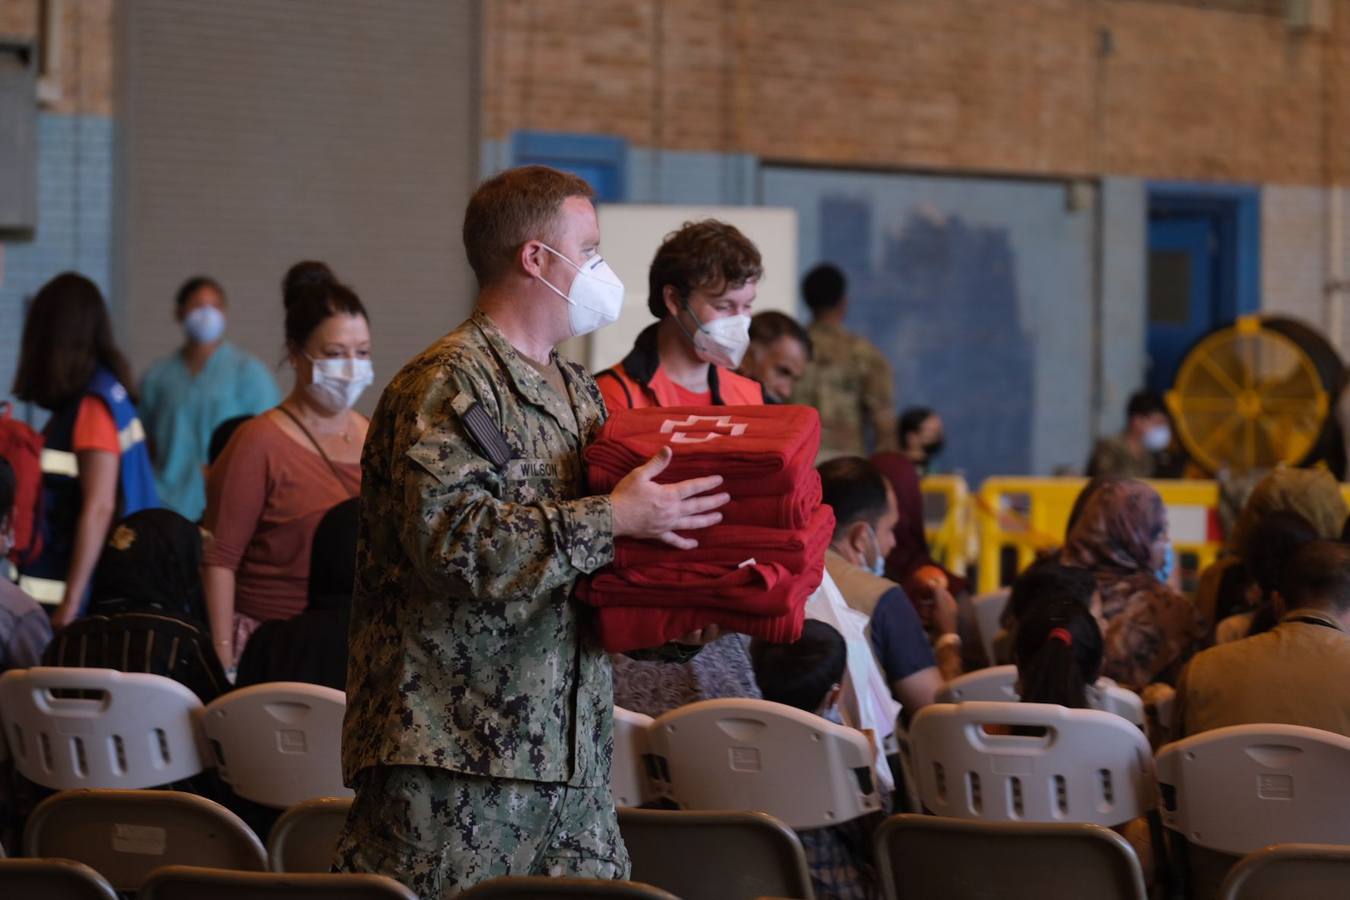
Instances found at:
x=1030 y=515
x=946 y=520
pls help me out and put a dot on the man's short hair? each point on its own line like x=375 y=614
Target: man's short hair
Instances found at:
x=1318 y=574
x=800 y=674
x=1145 y=403
x=768 y=326
x=912 y=419
x=855 y=489
x=1048 y=581
x=709 y=256
x=8 y=487
x=823 y=287
x=511 y=208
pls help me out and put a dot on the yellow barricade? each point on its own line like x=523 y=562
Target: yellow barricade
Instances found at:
x=946 y=520
x=1027 y=515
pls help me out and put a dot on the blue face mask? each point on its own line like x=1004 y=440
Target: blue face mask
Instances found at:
x=1169 y=564
x=878 y=565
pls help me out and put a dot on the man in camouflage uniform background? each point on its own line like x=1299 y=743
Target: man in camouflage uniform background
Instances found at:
x=848 y=380
x=478 y=732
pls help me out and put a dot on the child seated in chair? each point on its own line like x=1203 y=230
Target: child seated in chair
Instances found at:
x=807 y=675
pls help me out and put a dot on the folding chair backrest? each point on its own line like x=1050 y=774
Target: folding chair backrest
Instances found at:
x=306 y=835
x=989 y=617
x=532 y=887
x=125 y=835
x=279 y=743
x=52 y=879
x=753 y=754
x=628 y=775
x=937 y=858
x=97 y=728
x=715 y=855
x=1244 y=787
x=1305 y=871
x=196 y=883
x=1088 y=766
x=998 y=684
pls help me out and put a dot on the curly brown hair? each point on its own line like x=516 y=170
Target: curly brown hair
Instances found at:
x=707 y=256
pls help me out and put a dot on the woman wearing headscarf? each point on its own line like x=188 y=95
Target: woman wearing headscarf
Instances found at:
x=312 y=647
x=1149 y=629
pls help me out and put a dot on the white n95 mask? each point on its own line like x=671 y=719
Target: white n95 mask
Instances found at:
x=722 y=342
x=204 y=325
x=596 y=297
x=338 y=383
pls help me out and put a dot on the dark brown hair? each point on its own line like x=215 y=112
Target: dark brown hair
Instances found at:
x=768 y=326
x=66 y=337
x=193 y=285
x=707 y=256
x=509 y=209
x=311 y=293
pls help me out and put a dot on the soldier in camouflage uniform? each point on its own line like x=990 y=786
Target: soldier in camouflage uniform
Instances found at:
x=478 y=730
x=848 y=379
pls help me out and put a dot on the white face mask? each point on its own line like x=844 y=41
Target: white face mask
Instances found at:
x=337 y=384
x=1157 y=438
x=878 y=565
x=722 y=342
x=596 y=297
x=204 y=325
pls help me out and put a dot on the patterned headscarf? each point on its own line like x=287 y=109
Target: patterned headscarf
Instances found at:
x=1149 y=629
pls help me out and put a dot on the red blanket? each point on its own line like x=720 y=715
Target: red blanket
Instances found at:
x=730 y=545
x=760 y=450
x=762 y=589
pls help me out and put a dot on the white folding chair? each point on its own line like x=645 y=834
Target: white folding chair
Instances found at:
x=119 y=730
x=1088 y=766
x=989 y=617
x=305 y=837
x=752 y=754
x=628 y=775
x=279 y=743
x=998 y=684
x=1241 y=788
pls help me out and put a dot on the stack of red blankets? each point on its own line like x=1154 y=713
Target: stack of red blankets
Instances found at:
x=753 y=572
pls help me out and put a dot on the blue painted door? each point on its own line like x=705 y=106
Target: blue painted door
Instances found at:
x=1183 y=301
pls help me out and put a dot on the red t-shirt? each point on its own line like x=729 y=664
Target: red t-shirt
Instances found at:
x=95 y=428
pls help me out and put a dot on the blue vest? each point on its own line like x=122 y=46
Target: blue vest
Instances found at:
x=44 y=579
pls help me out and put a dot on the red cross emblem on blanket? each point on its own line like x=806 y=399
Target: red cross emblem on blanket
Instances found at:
x=715 y=427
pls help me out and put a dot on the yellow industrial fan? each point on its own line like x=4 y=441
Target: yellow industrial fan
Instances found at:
x=1255 y=394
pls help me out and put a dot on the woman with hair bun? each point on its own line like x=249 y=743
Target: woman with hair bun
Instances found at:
x=282 y=470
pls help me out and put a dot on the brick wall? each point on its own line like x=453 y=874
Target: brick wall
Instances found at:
x=1153 y=88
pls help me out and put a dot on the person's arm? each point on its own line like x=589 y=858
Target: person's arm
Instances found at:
x=462 y=536
x=902 y=648
x=218 y=584
x=917 y=690
x=32 y=633
x=947 y=645
x=236 y=494
x=98 y=490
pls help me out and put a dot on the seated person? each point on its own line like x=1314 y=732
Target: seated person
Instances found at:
x=1293 y=674
x=865 y=514
x=1058 y=648
x=312 y=647
x=1044 y=582
x=25 y=629
x=779 y=352
x=147 y=607
x=806 y=675
x=922 y=437
x=1274 y=539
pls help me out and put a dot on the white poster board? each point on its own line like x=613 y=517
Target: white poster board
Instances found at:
x=629 y=237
